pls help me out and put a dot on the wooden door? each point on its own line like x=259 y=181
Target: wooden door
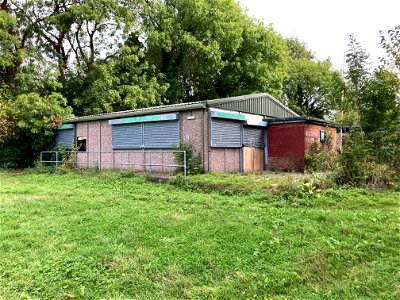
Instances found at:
x=253 y=159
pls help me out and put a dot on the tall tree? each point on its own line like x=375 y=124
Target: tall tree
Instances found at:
x=357 y=75
x=11 y=54
x=210 y=48
x=312 y=87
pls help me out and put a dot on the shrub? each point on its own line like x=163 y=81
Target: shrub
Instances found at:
x=321 y=156
x=193 y=161
x=357 y=166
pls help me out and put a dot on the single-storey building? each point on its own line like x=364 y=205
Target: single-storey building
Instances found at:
x=249 y=133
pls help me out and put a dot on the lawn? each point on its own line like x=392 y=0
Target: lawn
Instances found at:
x=107 y=236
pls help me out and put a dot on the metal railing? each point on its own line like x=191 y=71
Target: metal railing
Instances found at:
x=118 y=159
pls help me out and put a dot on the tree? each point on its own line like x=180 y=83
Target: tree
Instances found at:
x=312 y=88
x=72 y=34
x=126 y=81
x=372 y=154
x=207 y=49
x=31 y=119
x=357 y=76
x=11 y=55
x=391 y=44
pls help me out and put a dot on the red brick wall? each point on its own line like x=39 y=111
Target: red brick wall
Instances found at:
x=312 y=135
x=286 y=145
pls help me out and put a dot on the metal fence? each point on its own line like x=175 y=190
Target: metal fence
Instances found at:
x=153 y=161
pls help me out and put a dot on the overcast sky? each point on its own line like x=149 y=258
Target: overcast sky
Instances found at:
x=325 y=25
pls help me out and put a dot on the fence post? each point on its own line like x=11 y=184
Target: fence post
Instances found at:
x=184 y=165
x=56 y=159
x=150 y=161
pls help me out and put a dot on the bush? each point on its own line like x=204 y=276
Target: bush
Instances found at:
x=193 y=162
x=357 y=166
x=321 y=156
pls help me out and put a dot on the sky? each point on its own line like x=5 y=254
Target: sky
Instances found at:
x=326 y=25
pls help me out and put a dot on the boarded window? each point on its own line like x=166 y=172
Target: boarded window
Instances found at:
x=253 y=136
x=225 y=133
x=127 y=136
x=152 y=135
x=161 y=135
x=65 y=138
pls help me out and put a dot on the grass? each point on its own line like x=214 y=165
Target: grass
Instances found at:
x=105 y=236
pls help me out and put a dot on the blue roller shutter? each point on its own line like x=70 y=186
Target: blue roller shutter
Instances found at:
x=161 y=135
x=253 y=136
x=225 y=133
x=65 y=138
x=127 y=136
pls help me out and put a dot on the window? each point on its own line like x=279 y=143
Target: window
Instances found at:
x=322 y=136
x=81 y=143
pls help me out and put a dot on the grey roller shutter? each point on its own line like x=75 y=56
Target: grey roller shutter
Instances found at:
x=65 y=138
x=161 y=134
x=253 y=137
x=128 y=136
x=225 y=133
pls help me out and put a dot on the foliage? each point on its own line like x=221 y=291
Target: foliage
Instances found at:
x=320 y=158
x=193 y=161
x=209 y=49
x=358 y=166
x=312 y=88
x=30 y=119
x=371 y=154
x=126 y=81
x=98 y=236
x=390 y=42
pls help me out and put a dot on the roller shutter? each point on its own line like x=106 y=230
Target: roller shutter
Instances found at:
x=161 y=135
x=65 y=138
x=253 y=136
x=225 y=133
x=127 y=136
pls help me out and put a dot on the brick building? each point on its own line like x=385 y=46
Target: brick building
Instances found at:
x=239 y=134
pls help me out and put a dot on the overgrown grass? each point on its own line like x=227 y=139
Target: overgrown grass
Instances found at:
x=106 y=236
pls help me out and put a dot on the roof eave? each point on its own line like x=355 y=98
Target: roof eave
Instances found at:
x=152 y=111
x=309 y=120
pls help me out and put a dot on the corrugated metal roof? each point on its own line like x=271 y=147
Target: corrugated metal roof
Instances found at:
x=260 y=104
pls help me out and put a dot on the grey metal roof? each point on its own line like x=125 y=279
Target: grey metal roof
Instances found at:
x=260 y=104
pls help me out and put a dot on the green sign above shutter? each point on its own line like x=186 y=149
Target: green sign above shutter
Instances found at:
x=66 y=126
x=228 y=115
x=143 y=119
